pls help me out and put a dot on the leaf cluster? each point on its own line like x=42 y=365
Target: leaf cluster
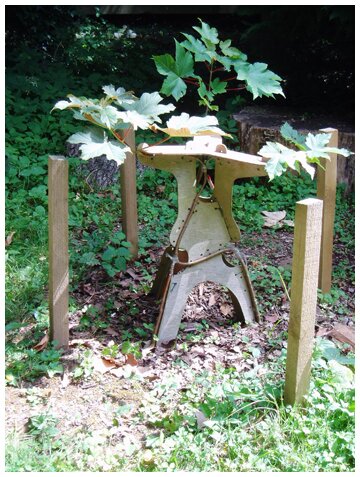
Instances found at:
x=310 y=150
x=217 y=56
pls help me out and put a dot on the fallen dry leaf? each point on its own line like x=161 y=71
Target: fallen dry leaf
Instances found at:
x=322 y=332
x=344 y=334
x=133 y=274
x=226 y=309
x=131 y=360
x=201 y=289
x=102 y=365
x=110 y=331
x=160 y=189
x=66 y=380
x=88 y=343
x=9 y=238
x=273 y=218
x=42 y=343
x=212 y=300
x=289 y=223
x=148 y=348
x=272 y=318
x=200 y=418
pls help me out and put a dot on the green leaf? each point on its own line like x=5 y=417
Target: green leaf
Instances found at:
x=282 y=157
x=205 y=93
x=175 y=70
x=106 y=116
x=189 y=126
x=175 y=86
x=109 y=254
x=290 y=134
x=120 y=94
x=197 y=47
x=95 y=143
x=184 y=61
x=217 y=86
x=231 y=51
x=146 y=111
x=259 y=80
x=73 y=102
x=165 y=64
x=120 y=264
x=342 y=374
x=317 y=146
x=208 y=35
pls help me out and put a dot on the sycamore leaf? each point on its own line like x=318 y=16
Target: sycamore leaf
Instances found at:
x=217 y=86
x=136 y=119
x=145 y=111
x=291 y=135
x=95 y=143
x=175 y=69
x=189 y=126
x=107 y=116
x=259 y=80
x=280 y=157
x=208 y=35
x=174 y=85
x=197 y=47
x=317 y=147
x=120 y=94
x=203 y=92
x=231 y=51
x=73 y=102
x=165 y=64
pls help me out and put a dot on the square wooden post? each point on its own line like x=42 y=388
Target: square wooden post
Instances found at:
x=306 y=253
x=129 y=195
x=58 y=250
x=326 y=191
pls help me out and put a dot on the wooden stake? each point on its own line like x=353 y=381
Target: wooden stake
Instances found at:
x=128 y=194
x=326 y=191
x=58 y=250
x=307 y=237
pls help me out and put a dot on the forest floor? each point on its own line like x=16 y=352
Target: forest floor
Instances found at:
x=209 y=337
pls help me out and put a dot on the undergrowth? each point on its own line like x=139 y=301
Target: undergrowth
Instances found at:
x=222 y=421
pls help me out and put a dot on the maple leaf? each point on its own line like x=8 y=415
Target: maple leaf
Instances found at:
x=259 y=80
x=208 y=34
x=145 y=111
x=175 y=69
x=189 y=126
x=317 y=147
x=120 y=94
x=291 y=135
x=95 y=143
x=73 y=102
x=281 y=157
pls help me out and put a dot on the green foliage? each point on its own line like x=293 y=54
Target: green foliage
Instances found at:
x=43 y=427
x=85 y=368
x=23 y=363
x=224 y=421
x=312 y=148
x=217 y=56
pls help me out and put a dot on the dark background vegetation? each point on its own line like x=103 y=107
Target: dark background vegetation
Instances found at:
x=311 y=47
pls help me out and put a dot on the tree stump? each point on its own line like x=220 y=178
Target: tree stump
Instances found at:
x=257 y=125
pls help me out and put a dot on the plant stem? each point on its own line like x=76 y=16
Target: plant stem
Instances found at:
x=191 y=81
x=236 y=89
x=209 y=84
